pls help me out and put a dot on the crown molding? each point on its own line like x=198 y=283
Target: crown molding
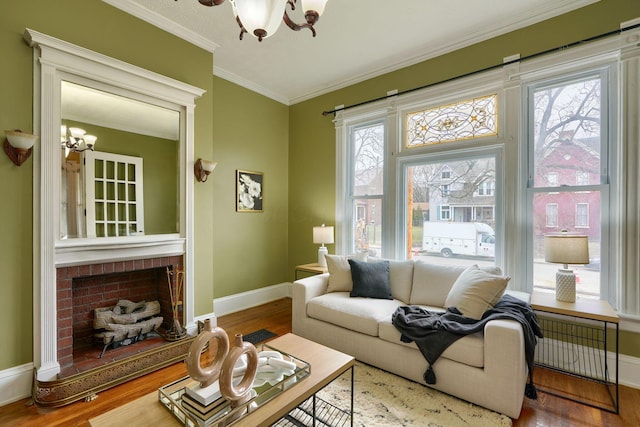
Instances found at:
x=474 y=37
x=163 y=23
x=252 y=86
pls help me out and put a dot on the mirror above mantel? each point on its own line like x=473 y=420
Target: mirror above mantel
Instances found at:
x=61 y=71
x=126 y=183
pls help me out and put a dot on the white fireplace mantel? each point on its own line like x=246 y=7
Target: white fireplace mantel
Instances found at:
x=89 y=251
x=56 y=61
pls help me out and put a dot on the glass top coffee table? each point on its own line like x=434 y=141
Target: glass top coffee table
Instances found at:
x=325 y=366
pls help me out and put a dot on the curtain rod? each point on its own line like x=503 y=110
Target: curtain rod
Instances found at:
x=482 y=70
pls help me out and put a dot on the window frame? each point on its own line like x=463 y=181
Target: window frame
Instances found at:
x=620 y=55
x=605 y=70
x=494 y=150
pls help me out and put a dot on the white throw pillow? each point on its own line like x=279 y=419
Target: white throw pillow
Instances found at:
x=340 y=271
x=432 y=282
x=475 y=291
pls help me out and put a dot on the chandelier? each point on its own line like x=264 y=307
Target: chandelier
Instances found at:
x=261 y=18
x=76 y=139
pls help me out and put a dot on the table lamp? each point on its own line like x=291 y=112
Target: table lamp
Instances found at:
x=566 y=249
x=322 y=235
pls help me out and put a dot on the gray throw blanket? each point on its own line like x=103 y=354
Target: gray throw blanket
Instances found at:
x=434 y=332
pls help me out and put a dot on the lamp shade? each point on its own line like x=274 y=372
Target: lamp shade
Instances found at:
x=322 y=234
x=20 y=140
x=566 y=249
x=315 y=5
x=208 y=165
x=256 y=15
x=90 y=140
x=77 y=132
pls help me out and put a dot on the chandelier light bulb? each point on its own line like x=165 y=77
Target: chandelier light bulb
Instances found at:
x=77 y=133
x=314 y=5
x=261 y=18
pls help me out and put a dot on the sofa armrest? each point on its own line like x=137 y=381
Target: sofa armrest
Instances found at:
x=302 y=291
x=504 y=343
x=504 y=358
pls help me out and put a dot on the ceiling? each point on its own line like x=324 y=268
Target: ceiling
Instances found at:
x=356 y=39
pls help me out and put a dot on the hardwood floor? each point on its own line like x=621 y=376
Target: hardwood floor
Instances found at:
x=547 y=410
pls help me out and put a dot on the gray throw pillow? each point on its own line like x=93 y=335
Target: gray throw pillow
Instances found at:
x=370 y=280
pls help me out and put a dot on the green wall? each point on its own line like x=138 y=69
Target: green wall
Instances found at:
x=250 y=133
x=312 y=135
x=293 y=146
x=233 y=126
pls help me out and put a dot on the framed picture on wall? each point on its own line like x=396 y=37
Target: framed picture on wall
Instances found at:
x=249 y=191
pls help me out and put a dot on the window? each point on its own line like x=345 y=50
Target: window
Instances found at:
x=486 y=188
x=556 y=129
x=582 y=178
x=114 y=195
x=567 y=144
x=582 y=214
x=367 y=187
x=419 y=187
x=445 y=213
x=462 y=225
x=552 y=215
x=473 y=118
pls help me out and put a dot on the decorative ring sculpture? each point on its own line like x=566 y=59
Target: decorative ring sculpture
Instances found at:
x=209 y=374
x=239 y=394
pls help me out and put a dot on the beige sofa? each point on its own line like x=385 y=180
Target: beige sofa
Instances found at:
x=486 y=369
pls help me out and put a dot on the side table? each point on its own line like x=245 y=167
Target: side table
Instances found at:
x=577 y=348
x=313 y=268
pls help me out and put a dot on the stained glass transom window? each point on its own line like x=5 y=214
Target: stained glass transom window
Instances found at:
x=468 y=119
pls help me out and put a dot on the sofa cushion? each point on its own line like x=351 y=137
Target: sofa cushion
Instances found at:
x=400 y=276
x=468 y=350
x=432 y=282
x=370 y=280
x=475 y=291
x=340 y=271
x=356 y=314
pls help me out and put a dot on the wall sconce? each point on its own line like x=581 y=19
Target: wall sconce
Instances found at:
x=322 y=235
x=203 y=168
x=18 y=145
x=76 y=139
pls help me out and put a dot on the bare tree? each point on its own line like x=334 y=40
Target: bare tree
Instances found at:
x=566 y=114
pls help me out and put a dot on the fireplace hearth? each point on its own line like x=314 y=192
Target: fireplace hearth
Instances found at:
x=85 y=367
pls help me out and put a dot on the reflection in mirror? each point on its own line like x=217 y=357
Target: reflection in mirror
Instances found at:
x=127 y=184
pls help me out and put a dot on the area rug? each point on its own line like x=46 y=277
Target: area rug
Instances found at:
x=258 y=336
x=384 y=399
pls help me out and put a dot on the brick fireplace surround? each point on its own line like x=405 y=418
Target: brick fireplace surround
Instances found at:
x=79 y=290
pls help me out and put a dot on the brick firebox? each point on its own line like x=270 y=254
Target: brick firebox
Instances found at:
x=80 y=289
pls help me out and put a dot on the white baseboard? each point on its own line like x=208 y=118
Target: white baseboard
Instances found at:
x=244 y=300
x=15 y=383
x=629 y=370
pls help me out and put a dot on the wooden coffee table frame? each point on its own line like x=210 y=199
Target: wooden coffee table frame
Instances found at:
x=326 y=365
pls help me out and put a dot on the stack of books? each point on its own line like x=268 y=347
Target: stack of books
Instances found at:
x=204 y=412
